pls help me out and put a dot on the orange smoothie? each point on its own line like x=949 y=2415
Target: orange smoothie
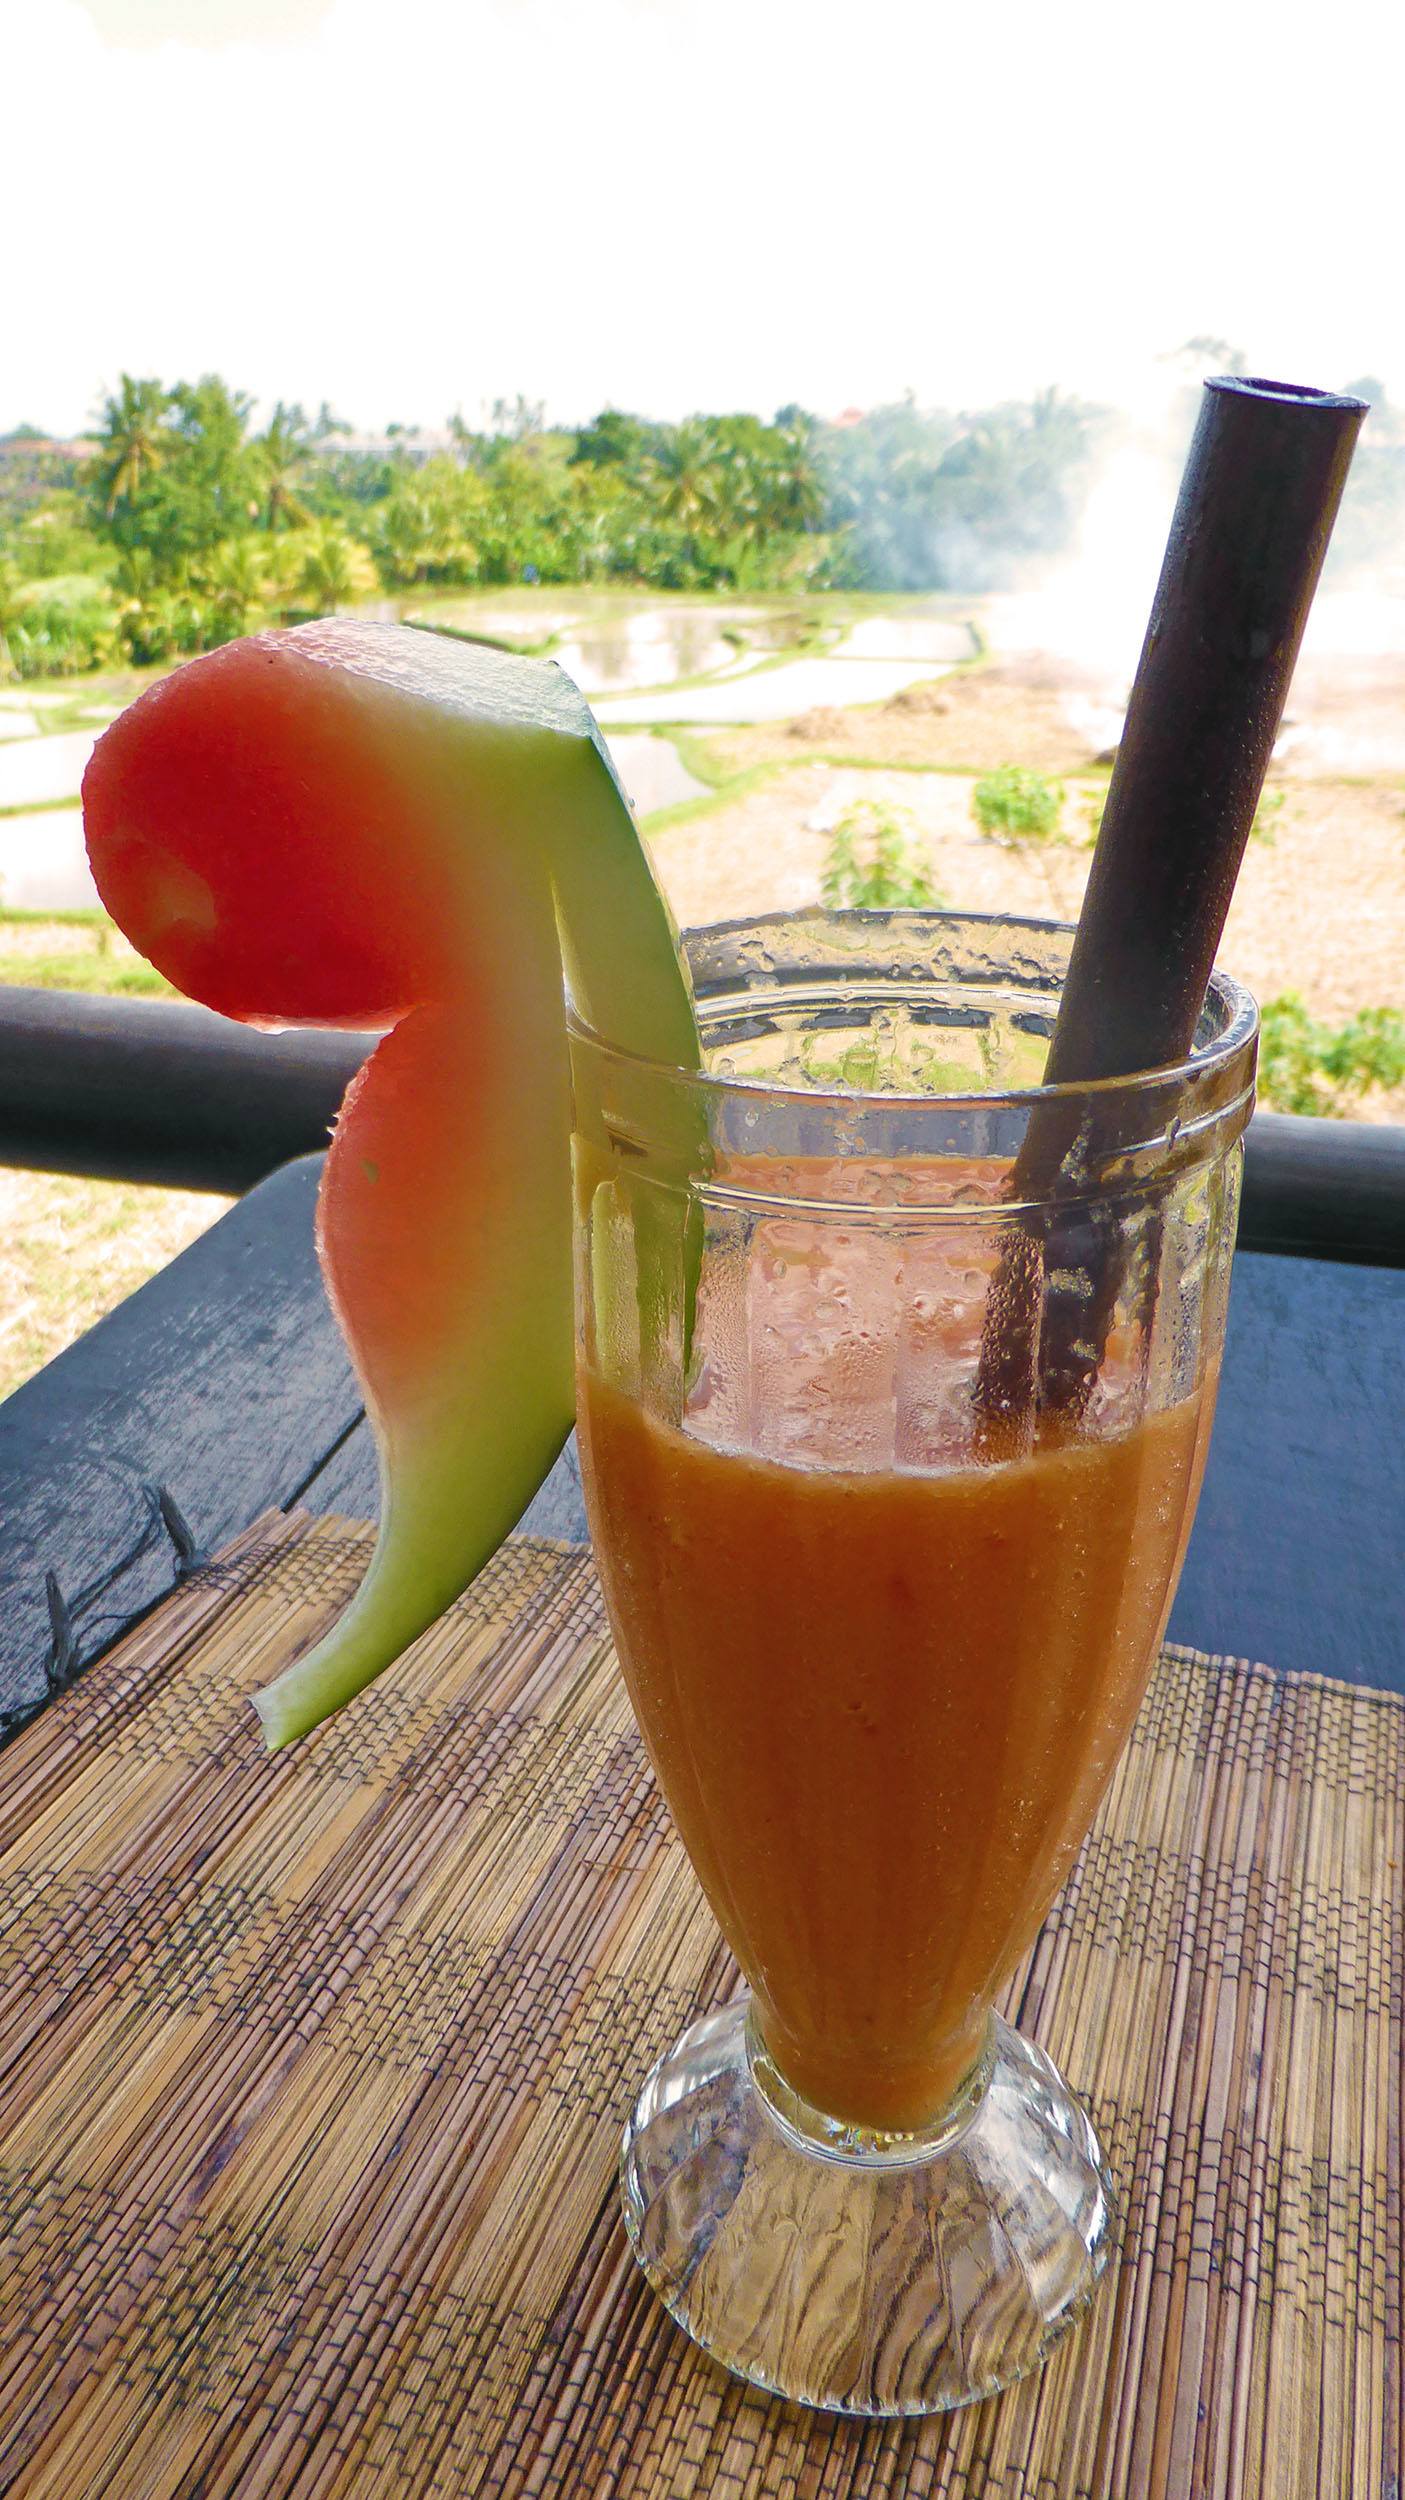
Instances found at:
x=883 y=1704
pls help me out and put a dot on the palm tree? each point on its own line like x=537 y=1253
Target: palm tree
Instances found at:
x=284 y=456
x=686 y=467
x=234 y=585
x=136 y=574
x=135 y=438
x=335 y=570
x=795 y=497
x=429 y=528
x=518 y=418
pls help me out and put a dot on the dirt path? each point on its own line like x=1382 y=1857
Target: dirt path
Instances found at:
x=1320 y=906
x=1013 y=713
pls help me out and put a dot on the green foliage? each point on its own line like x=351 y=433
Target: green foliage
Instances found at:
x=1369 y=1050
x=232 y=587
x=176 y=472
x=615 y=440
x=538 y=515
x=72 y=951
x=873 y=863
x=200 y=522
x=59 y=628
x=929 y=500
x=92 y=973
x=135 y=439
x=1016 y=806
x=333 y=568
x=284 y=464
x=735 y=486
x=427 y=530
x=164 y=626
x=166 y=618
x=54 y=540
x=1317 y=1068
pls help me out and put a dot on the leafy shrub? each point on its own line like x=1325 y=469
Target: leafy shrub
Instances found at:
x=56 y=541
x=1014 y=805
x=59 y=628
x=1370 y=1050
x=873 y=864
x=1316 y=1068
x=332 y=570
x=170 y=624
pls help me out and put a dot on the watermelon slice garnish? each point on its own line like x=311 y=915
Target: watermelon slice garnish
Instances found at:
x=362 y=824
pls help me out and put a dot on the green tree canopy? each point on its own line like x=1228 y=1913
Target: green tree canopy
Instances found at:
x=616 y=440
x=187 y=524
x=176 y=472
x=134 y=442
x=284 y=453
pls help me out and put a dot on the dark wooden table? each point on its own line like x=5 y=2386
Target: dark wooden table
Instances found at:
x=221 y=1389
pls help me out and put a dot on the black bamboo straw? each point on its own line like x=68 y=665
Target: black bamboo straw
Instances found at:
x=1258 y=498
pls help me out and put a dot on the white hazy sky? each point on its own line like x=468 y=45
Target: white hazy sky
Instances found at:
x=411 y=206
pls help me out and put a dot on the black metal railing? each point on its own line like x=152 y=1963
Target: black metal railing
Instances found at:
x=150 y=1090
x=154 y=1090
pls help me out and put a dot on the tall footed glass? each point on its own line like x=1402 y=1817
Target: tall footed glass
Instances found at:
x=889 y=1478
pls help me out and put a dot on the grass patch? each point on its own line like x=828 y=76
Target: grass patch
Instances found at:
x=75 y=916
x=687 y=811
x=100 y=689
x=39 y=807
x=701 y=756
x=74 y=950
x=424 y=624
x=72 y=1249
x=843 y=758
x=70 y=972
x=58 y=719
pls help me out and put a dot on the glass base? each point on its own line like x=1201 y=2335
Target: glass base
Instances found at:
x=869 y=2274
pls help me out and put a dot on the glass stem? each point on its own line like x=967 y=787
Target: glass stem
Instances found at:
x=843 y=2139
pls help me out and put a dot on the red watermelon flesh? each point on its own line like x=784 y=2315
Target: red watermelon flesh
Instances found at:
x=362 y=824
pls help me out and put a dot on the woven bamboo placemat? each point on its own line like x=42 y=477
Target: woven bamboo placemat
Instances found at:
x=312 y=2074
